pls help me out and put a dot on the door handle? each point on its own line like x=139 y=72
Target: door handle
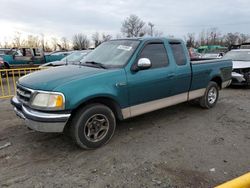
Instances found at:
x=171 y=75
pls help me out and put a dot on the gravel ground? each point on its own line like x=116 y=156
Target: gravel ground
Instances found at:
x=180 y=146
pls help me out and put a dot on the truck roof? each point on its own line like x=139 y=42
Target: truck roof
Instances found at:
x=241 y=50
x=151 y=38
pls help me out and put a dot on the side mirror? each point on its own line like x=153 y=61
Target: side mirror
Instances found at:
x=142 y=64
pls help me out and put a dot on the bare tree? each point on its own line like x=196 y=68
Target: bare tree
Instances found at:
x=106 y=37
x=47 y=47
x=244 y=38
x=190 y=40
x=17 y=40
x=80 y=42
x=7 y=44
x=133 y=26
x=64 y=43
x=54 y=42
x=31 y=41
x=231 y=39
x=210 y=36
x=42 y=41
x=96 y=38
x=202 y=40
x=214 y=36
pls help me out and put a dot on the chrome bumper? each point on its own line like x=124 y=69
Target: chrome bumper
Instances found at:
x=40 y=121
x=226 y=84
x=239 y=77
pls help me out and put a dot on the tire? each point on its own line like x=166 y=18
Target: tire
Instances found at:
x=93 y=126
x=211 y=96
x=3 y=73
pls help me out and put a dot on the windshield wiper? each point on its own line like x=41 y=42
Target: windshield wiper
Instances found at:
x=96 y=64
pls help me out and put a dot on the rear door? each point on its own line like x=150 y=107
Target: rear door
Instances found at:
x=183 y=72
x=38 y=56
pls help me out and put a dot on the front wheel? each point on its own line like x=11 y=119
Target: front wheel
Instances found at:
x=93 y=126
x=211 y=96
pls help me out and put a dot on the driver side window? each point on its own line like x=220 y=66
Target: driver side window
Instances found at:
x=156 y=53
x=18 y=53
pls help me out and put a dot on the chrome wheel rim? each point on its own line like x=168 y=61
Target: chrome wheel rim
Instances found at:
x=96 y=127
x=212 y=95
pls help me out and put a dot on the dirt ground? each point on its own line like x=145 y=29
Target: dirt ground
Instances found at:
x=180 y=146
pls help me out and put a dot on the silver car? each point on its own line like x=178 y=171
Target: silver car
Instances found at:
x=241 y=66
x=74 y=58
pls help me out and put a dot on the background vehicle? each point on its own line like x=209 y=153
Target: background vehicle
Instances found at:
x=212 y=51
x=241 y=66
x=27 y=57
x=212 y=55
x=74 y=58
x=193 y=53
x=4 y=50
x=120 y=79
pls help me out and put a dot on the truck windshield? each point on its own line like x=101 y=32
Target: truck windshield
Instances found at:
x=75 y=56
x=112 y=54
x=238 y=55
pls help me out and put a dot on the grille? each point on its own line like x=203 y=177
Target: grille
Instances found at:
x=23 y=94
x=237 y=71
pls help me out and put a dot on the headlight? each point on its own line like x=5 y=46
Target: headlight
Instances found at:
x=48 y=101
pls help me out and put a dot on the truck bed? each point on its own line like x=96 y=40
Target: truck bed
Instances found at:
x=204 y=70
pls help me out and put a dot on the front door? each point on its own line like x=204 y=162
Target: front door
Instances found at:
x=149 y=88
x=23 y=57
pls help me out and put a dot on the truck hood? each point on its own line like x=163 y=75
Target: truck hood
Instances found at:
x=54 y=63
x=241 y=64
x=49 y=79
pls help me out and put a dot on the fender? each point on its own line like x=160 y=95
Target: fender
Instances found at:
x=6 y=65
x=106 y=100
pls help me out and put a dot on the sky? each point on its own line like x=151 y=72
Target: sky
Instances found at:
x=64 y=18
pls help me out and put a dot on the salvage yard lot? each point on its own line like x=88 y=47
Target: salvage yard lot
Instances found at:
x=180 y=146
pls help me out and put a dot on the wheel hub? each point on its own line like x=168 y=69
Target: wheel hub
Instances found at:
x=212 y=95
x=96 y=127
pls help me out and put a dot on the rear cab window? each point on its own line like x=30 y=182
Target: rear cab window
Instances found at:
x=156 y=53
x=179 y=53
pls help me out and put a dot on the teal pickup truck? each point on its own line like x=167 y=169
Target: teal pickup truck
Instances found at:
x=27 y=57
x=120 y=79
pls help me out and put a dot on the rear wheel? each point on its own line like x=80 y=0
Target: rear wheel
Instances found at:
x=93 y=126
x=211 y=96
x=3 y=73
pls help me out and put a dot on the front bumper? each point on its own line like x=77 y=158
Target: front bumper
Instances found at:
x=240 y=79
x=40 y=121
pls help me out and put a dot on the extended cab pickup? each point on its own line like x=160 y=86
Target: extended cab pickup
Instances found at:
x=27 y=57
x=120 y=79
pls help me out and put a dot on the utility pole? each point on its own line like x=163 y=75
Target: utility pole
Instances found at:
x=151 y=25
